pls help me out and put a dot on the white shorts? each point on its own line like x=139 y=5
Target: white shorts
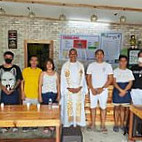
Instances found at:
x=31 y=101
x=136 y=95
x=101 y=98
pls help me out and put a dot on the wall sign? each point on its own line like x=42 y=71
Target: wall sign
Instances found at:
x=12 y=39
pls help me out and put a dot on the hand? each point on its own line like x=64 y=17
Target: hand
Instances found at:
x=99 y=90
x=10 y=92
x=77 y=89
x=4 y=89
x=74 y=90
x=94 y=92
x=23 y=96
x=58 y=99
x=40 y=99
x=71 y=90
x=122 y=93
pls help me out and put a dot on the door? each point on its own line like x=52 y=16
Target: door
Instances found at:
x=43 y=50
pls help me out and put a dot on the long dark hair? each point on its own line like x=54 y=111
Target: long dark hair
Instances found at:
x=51 y=61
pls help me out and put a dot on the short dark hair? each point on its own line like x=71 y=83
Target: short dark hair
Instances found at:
x=8 y=53
x=99 y=50
x=123 y=56
x=72 y=49
x=140 y=52
x=33 y=56
x=51 y=61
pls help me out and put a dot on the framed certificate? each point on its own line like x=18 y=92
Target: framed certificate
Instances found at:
x=133 y=56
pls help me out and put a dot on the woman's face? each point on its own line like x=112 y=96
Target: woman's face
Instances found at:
x=123 y=63
x=49 y=66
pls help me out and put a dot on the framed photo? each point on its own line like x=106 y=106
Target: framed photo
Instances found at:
x=133 y=56
x=12 y=39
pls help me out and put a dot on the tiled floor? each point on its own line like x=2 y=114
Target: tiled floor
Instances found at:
x=88 y=136
x=110 y=136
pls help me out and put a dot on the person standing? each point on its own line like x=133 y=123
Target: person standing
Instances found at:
x=123 y=80
x=49 y=84
x=73 y=91
x=99 y=77
x=49 y=87
x=10 y=79
x=136 y=92
x=29 y=85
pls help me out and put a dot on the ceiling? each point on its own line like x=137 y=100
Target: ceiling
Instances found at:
x=78 y=13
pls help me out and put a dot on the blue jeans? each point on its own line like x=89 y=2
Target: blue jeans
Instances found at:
x=12 y=99
x=47 y=96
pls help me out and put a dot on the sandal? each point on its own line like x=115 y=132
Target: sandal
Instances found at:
x=46 y=130
x=104 y=130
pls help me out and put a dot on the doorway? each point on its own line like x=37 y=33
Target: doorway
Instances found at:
x=42 y=49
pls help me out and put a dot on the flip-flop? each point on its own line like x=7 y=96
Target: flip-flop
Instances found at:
x=46 y=131
x=104 y=130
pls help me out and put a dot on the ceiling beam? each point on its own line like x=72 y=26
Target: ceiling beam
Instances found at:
x=57 y=20
x=50 y=3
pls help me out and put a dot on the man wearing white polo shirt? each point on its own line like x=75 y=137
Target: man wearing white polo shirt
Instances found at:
x=99 y=77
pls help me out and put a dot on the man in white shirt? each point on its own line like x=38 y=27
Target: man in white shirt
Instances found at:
x=99 y=77
x=73 y=91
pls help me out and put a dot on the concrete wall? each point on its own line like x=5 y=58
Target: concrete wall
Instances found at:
x=51 y=30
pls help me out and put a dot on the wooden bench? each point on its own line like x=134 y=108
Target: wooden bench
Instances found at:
x=109 y=118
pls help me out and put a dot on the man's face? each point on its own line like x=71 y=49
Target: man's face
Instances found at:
x=123 y=63
x=99 y=56
x=140 y=59
x=34 y=62
x=73 y=55
x=140 y=56
x=8 y=59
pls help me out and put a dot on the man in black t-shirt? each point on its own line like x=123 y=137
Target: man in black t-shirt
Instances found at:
x=136 y=92
x=10 y=78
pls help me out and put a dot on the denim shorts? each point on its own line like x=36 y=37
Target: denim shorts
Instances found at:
x=47 y=96
x=12 y=99
x=118 y=99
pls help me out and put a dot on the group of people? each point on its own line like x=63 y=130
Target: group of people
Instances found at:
x=72 y=85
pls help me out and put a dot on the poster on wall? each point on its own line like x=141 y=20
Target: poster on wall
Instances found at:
x=111 y=44
x=85 y=45
x=12 y=39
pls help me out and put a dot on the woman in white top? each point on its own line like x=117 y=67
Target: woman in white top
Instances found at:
x=49 y=86
x=123 y=78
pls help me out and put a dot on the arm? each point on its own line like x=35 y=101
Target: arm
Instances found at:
x=22 y=90
x=40 y=87
x=3 y=88
x=58 y=87
x=89 y=82
x=117 y=86
x=122 y=91
x=19 y=78
x=17 y=83
x=109 y=81
x=128 y=87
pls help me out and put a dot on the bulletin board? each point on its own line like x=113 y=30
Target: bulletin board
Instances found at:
x=84 y=44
